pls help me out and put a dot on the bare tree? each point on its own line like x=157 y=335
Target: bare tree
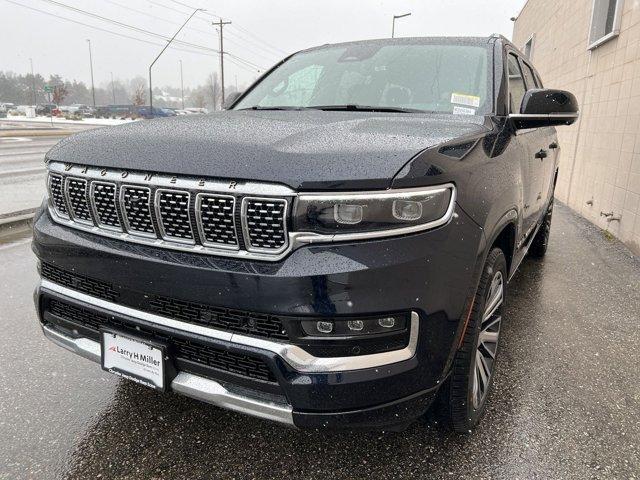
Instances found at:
x=198 y=99
x=137 y=90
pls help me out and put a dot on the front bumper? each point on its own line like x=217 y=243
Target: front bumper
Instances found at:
x=430 y=274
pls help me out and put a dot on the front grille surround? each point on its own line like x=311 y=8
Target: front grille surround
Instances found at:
x=205 y=215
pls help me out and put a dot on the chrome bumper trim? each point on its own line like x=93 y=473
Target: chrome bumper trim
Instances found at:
x=296 y=357
x=185 y=383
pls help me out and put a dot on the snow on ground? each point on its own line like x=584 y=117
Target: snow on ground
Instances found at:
x=62 y=121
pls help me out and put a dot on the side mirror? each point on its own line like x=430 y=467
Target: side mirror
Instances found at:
x=231 y=99
x=544 y=107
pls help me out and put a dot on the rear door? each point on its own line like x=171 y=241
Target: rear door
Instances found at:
x=531 y=167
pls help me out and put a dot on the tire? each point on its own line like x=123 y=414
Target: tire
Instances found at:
x=471 y=378
x=539 y=244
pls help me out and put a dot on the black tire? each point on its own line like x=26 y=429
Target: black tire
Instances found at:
x=463 y=408
x=539 y=244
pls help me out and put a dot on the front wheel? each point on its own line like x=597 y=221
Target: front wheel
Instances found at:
x=474 y=365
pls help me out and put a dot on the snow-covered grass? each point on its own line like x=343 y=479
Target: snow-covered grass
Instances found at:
x=62 y=121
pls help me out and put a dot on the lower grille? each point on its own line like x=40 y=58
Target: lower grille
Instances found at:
x=81 y=283
x=240 y=321
x=182 y=349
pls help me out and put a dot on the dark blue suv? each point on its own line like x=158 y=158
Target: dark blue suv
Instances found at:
x=332 y=251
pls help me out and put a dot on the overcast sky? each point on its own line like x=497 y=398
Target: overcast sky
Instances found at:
x=261 y=33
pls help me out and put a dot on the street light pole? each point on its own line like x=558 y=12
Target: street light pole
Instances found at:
x=393 y=23
x=161 y=52
x=33 y=82
x=93 y=90
x=182 y=84
x=113 y=89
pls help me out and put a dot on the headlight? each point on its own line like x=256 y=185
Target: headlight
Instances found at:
x=374 y=214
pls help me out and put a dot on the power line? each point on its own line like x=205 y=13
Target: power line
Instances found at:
x=129 y=37
x=194 y=29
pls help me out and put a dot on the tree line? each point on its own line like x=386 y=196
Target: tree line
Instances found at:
x=20 y=88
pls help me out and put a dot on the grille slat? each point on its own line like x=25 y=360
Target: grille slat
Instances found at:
x=136 y=207
x=216 y=220
x=172 y=207
x=181 y=348
x=105 y=205
x=76 y=189
x=56 y=192
x=190 y=217
x=265 y=223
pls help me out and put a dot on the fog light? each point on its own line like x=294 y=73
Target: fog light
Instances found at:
x=355 y=325
x=347 y=214
x=324 y=327
x=407 y=210
x=388 y=322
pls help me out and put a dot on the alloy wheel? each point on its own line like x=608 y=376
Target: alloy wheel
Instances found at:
x=487 y=345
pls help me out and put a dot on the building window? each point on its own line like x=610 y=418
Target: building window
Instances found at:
x=605 y=21
x=527 y=50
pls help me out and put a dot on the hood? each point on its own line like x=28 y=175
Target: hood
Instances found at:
x=307 y=149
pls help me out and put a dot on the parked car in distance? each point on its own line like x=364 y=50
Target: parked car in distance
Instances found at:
x=333 y=251
x=81 y=109
x=47 y=109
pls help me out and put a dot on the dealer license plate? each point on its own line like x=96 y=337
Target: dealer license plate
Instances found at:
x=134 y=359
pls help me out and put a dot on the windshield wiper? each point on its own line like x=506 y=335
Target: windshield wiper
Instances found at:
x=352 y=107
x=277 y=107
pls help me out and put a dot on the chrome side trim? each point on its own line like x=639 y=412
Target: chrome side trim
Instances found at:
x=543 y=116
x=185 y=383
x=298 y=358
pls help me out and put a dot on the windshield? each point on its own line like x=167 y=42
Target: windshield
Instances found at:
x=443 y=78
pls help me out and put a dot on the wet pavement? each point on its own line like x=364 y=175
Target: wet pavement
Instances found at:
x=566 y=402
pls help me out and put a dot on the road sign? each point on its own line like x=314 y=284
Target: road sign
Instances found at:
x=48 y=88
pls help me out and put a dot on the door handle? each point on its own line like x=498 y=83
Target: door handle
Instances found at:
x=553 y=146
x=541 y=154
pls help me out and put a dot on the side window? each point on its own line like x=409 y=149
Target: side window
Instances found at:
x=529 y=78
x=516 y=84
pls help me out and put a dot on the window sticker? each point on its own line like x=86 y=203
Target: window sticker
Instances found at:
x=462 y=99
x=463 y=110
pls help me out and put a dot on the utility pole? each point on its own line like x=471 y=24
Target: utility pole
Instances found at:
x=162 y=51
x=33 y=82
x=221 y=24
x=393 y=24
x=93 y=90
x=113 y=89
x=182 y=84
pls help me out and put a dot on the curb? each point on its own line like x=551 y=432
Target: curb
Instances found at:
x=34 y=132
x=16 y=223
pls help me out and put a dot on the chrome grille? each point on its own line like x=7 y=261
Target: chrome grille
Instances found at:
x=136 y=207
x=57 y=195
x=105 y=205
x=189 y=214
x=216 y=220
x=172 y=208
x=76 y=189
x=265 y=223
